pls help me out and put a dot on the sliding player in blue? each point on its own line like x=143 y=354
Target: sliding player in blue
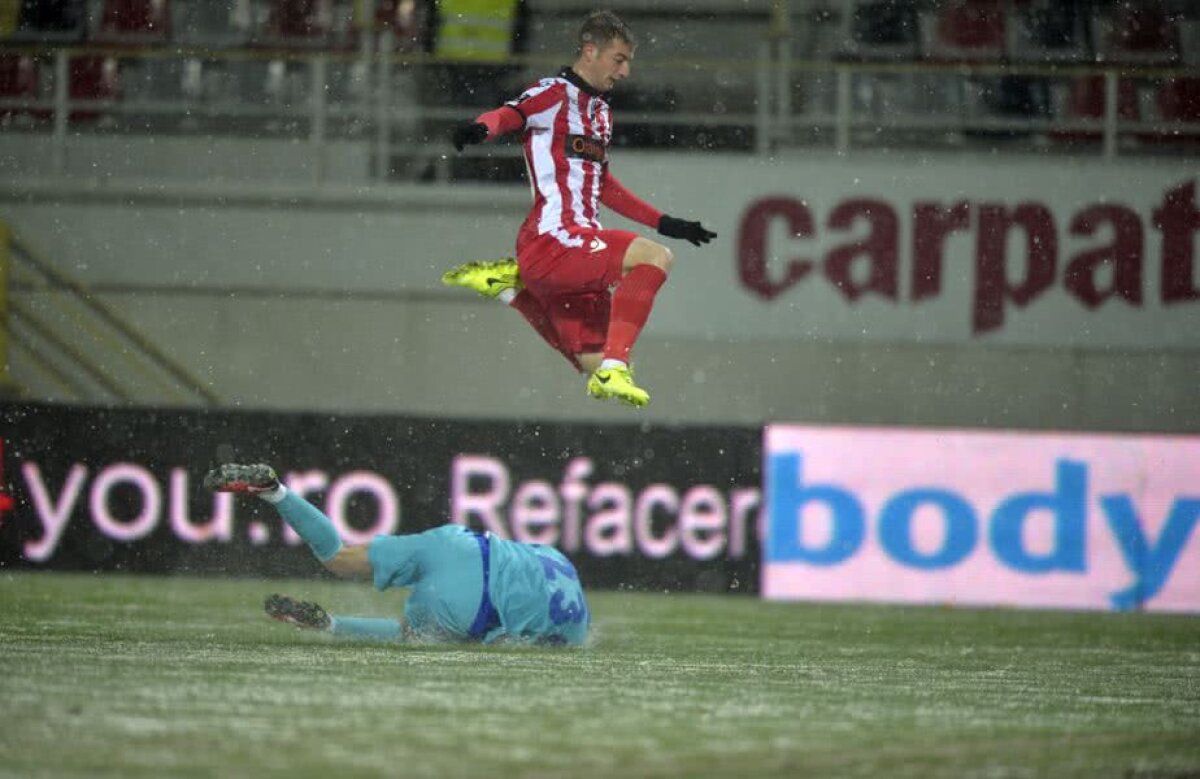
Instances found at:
x=466 y=586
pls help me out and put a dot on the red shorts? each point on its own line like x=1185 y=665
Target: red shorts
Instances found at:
x=572 y=282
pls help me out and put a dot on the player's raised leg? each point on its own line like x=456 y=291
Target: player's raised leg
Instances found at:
x=646 y=266
x=306 y=519
x=501 y=280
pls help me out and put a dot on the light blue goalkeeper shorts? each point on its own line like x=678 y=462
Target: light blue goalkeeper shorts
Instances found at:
x=475 y=586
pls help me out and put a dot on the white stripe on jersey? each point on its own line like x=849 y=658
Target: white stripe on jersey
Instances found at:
x=541 y=162
x=566 y=239
x=576 y=165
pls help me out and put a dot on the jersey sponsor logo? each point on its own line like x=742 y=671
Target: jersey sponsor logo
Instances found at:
x=586 y=148
x=597 y=245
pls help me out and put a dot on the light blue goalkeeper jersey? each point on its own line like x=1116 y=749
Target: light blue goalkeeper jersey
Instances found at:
x=526 y=593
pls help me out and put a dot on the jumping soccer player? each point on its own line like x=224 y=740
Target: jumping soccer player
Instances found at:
x=466 y=586
x=566 y=263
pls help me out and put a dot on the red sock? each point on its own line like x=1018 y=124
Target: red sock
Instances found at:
x=535 y=314
x=631 y=305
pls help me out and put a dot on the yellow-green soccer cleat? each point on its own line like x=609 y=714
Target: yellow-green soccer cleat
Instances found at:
x=487 y=278
x=617 y=383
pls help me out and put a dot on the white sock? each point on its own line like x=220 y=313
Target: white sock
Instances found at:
x=506 y=296
x=275 y=495
x=609 y=362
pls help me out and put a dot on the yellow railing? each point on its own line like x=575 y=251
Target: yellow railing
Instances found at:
x=78 y=342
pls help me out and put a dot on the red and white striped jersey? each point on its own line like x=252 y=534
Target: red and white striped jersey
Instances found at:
x=568 y=128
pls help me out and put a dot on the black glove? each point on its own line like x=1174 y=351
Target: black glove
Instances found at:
x=682 y=228
x=468 y=134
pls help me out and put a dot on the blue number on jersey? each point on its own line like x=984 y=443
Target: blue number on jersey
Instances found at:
x=572 y=611
x=550 y=565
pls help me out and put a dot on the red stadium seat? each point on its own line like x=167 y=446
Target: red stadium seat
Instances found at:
x=1087 y=98
x=967 y=31
x=1086 y=101
x=18 y=79
x=1179 y=101
x=134 y=21
x=304 y=23
x=406 y=20
x=93 y=78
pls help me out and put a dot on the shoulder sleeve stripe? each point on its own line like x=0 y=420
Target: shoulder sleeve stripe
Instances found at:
x=538 y=97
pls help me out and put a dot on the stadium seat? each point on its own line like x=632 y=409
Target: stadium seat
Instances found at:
x=1189 y=42
x=1046 y=31
x=1138 y=34
x=1179 y=101
x=406 y=19
x=1085 y=100
x=51 y=21
x=141 y=22
x=298 y=23
x=880 y=30
x=18 y=80
x=211 y=24
x=965 y=31
x=92 y=78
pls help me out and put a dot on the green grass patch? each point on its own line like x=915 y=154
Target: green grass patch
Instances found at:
x=172 y=676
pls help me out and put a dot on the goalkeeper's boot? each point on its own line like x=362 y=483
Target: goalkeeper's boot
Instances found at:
x=617 y=383
x=300 y=613
x=251 y=479
x=487 y=278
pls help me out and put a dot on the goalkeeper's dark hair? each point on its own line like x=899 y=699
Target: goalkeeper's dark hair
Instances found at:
x=604 y=27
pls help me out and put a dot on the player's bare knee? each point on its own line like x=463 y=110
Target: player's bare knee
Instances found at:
x=664 y=258
x=646 y=252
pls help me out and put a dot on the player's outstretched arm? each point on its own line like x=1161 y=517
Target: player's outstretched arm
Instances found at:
x=617 y=196
x=490 y=125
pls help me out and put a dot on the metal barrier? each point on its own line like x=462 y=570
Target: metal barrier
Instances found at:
x=756 y=107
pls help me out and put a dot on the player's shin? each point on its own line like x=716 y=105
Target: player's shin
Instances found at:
x=309 y=523
x=631 y=304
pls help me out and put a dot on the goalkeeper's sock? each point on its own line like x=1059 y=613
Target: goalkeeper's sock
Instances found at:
x=631 y=304
x=377 y=629
x=307 y=520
